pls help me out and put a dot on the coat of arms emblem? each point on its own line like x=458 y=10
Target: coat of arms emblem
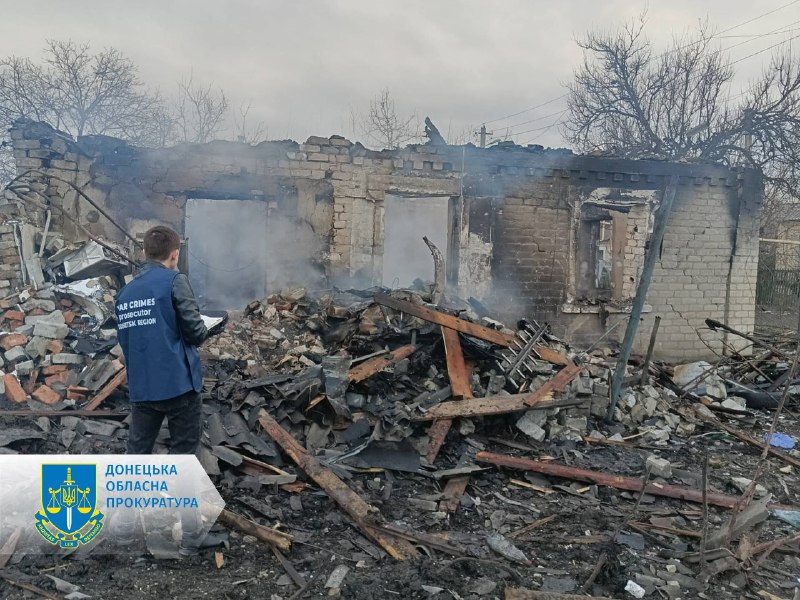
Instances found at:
x=68 y=515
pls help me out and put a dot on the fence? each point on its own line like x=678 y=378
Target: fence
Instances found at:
x=778 y=287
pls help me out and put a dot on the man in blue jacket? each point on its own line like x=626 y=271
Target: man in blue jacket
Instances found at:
x=160 y=328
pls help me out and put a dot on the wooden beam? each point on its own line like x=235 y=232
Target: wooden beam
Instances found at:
x=456 y=369
x=525 y=594
x=280 y=540
x=557 y=383
x=492 y=405
x=500 y=405
x=466 y=327
x=100 y=414
x=440 y=318
x=620 y=482
x=361 y=512
x=118 y=379
x=375 y=365
x=459 y=384
x=436 y=437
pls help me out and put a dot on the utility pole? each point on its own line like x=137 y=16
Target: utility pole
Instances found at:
x=483 y=133
x=650 y=260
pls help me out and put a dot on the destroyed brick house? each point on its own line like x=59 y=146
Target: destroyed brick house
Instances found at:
x=528 y=232
x=346 y=424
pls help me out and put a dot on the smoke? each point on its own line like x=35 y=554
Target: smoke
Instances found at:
x=239 y=252
x=405 y=256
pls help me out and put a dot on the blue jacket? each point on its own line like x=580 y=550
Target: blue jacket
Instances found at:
x=155 y=314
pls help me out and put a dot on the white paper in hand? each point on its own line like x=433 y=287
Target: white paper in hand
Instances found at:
x=211 y=321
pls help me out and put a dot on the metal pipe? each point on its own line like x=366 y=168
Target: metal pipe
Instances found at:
x=653 y=251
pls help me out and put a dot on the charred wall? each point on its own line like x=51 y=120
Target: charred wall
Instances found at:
x=532 y=233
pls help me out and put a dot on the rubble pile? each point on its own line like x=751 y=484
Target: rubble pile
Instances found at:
x=58 y=347
x=431 y=426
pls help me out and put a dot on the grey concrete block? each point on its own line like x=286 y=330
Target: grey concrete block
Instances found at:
x=67 y=359
x=54 y=317
x=53 y=331
x=25 y=368
x=15 y=354
x=37 y=347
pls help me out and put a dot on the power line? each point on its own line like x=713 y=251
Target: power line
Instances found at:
x=564 y=95
x=561 y=114
x=766 y=49
x=536 y=137
x=766 y=14
x=531 y=108
x=542 y=118
x=779 y=30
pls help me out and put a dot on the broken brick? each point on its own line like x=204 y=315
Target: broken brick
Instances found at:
x=55 y=347
x=66 y=302
x=14 y=315
x=37 y=312
x=46 y=395
x=14 y=391
x=61 y=378
x=12 y=340
x=69 y=317
x=53 y=369
x=31 y=384
x=77 y=393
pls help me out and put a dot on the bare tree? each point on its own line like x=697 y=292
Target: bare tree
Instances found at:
x=97 y=92
x=200 y=111
x=629 y=101
x=24 y=92
x=248 y=132
x=79 y=92
x=462 y=136
x=383 y=127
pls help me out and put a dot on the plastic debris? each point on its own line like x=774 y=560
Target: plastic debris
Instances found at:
x=781 y=440
x=634 y=589
x=792 y=517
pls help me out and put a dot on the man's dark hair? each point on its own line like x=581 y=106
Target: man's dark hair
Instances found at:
x=159 y=242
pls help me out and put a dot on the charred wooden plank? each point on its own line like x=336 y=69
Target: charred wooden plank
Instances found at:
x=555 y=384
x=282 y=541
x=499 y=405
x=456 y=368
x=100 y=414
x=472 y=329
x=436 y=437
x=525 y=594
x=458 y=373
x=375 y=365
x=109 y=389
x=441 y=318
x=352 y=503
x=492 y=405
x=619 y=482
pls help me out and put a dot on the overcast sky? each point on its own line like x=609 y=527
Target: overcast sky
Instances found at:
x=307 y=65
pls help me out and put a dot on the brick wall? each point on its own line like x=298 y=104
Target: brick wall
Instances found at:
x=517 y=253
x=532 y=252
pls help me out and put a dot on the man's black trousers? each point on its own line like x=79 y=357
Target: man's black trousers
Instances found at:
x=183 y=415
